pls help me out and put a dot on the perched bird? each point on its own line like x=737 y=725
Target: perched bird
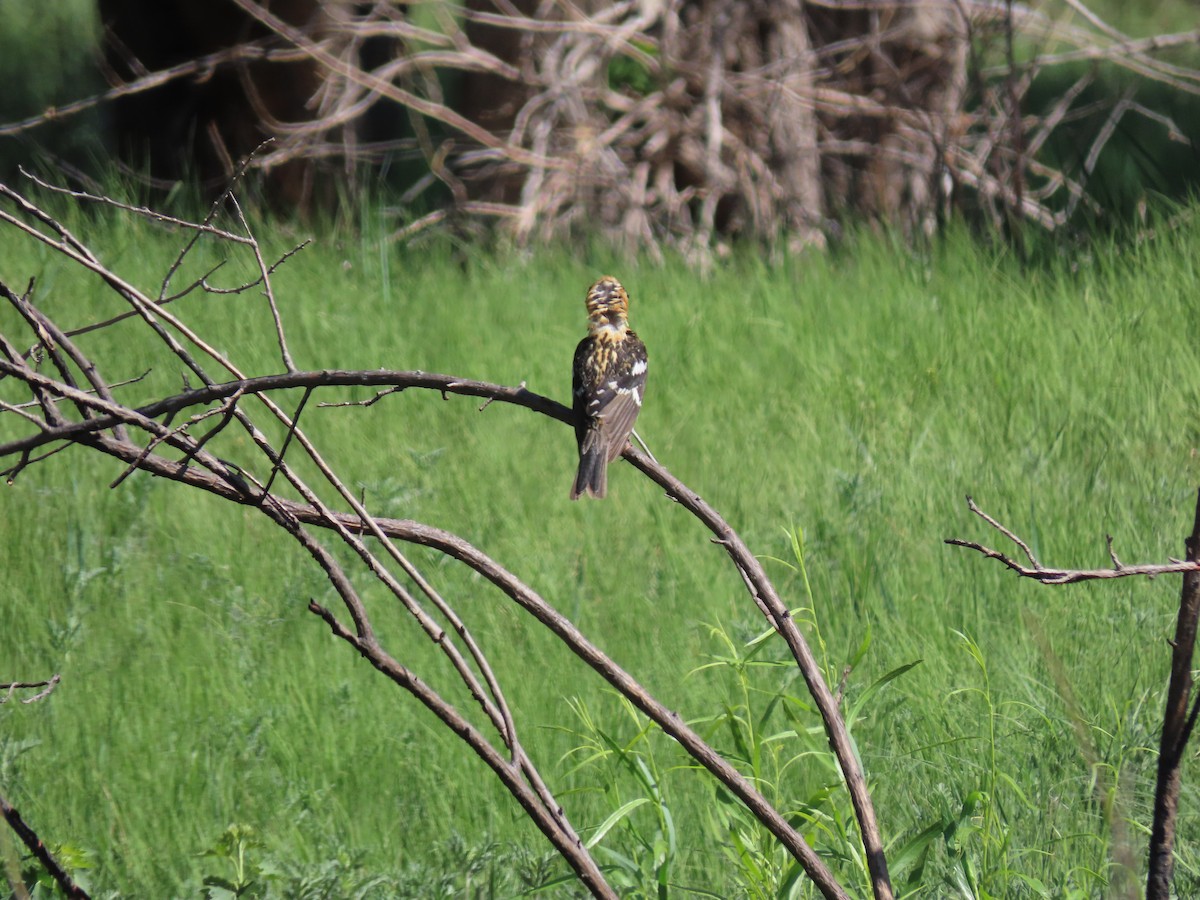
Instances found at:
x=609 y=378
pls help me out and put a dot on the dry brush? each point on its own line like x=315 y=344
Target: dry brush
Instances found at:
x=660 y=124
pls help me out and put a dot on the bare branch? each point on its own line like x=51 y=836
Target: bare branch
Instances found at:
x=103 y=423
x=668 y=720
x=781 y=118
x=1045 y=575
x=463 y=551
x=1178 y=722
x=394 y=379
x=12 y=687
x=30 y=839
x=143 y=211
x=203 y=66
x=265 y=279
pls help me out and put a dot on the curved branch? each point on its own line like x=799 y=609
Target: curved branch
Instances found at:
x=102 y=416
x=570 y=848
x=547 y=817
x=457 y=548
x=763 y=591
x=445 y=384
x=756 y=578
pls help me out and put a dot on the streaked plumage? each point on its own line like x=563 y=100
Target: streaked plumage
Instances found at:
x=608 y=386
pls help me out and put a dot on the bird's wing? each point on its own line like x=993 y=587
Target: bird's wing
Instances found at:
x=621 y=401
x=618 y=418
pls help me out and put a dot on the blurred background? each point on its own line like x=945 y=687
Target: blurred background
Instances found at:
x=660 y=124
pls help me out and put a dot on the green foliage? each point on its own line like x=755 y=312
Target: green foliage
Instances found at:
x=40 y=884
x=769 y=730
x=859 y=394
x=238 y=872
x=630 y=73
x=244 y=867
x=47 y=58
x=774 y=735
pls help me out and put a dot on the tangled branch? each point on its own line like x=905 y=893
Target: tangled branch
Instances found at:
x=679 y=123
x=71 y=404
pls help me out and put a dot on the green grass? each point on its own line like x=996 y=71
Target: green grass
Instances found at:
x=856 y=397
x=48 y=54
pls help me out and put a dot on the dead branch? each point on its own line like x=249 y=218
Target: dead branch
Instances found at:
x=1038 y=572
x=417 y=533
x=10 y=688
x=30 y=839
x=678 y=124
x=191 y=69
x=60 y=413
x=191 y=456
x=1178 y=722
x=1178 y=719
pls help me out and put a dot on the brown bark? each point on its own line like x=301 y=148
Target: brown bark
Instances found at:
x=792 y=124
x=1178 y=719
x=1177 y=726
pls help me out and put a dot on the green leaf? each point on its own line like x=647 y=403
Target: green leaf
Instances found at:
x=911 y=856
x=876 y=686
x=861 y=652
x=614 y=818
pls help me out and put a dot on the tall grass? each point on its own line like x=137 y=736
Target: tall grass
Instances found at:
x=835 y=408
x=48 y=54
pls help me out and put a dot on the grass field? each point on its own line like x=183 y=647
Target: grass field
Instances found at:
x=854 y=398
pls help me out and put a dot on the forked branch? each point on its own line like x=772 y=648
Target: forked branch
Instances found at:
x=47 y=687
x=178 y=438
x=1034 y=569
x=1179 y=719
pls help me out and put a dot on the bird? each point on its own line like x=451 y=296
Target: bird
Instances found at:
x=607 y=386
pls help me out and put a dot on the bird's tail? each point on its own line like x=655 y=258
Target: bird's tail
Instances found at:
x=591 y=479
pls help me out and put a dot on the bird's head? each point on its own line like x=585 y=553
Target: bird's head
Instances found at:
x=608 y=308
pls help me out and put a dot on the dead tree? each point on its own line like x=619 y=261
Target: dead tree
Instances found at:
x=58 y=397
x=1179 y=717
x=202 y=126
x=677 y=124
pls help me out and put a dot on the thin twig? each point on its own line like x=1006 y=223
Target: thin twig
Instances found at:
x=143 y=211
x=268 y=291
x=12 y=687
